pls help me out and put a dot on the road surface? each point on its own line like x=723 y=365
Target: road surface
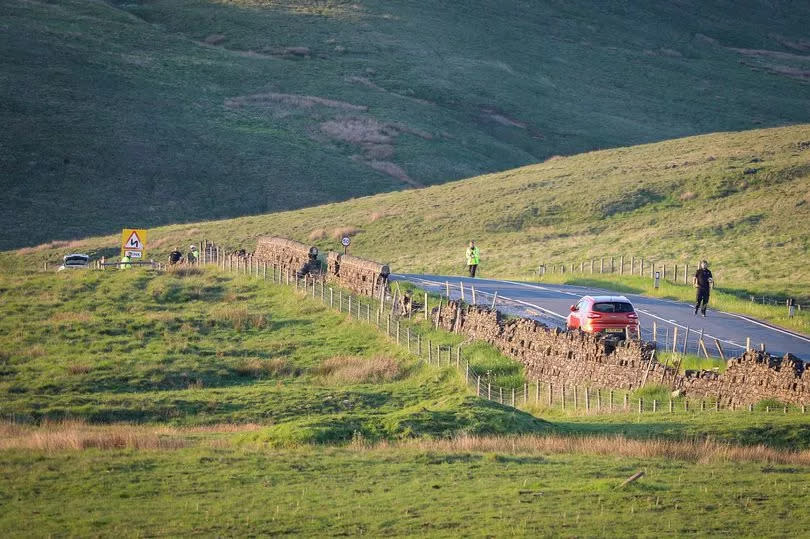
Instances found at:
x=549 y=304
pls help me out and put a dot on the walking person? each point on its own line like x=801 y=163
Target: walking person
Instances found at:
x=704 y=282
x=473 y=258
x=193 y=256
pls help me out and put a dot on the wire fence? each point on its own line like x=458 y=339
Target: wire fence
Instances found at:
x=408 y=331
x=651 y=269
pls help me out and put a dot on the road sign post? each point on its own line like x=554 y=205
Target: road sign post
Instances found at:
x=346 y=241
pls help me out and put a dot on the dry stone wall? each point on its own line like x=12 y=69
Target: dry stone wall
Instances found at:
x=356 y=274
x=753 y=377
x=578 y=358
x=289 y=255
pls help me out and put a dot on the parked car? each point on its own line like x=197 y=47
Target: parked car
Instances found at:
x=74 y=261
x=609 y=315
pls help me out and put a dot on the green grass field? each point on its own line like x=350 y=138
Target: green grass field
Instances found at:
x=316 y=492
x=171 y=111
x=141 y=403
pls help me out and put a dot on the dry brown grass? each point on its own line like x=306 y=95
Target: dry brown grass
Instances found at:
x=358 y=370
x=265 y=368
x=239 y=317
x=70 y=318
x=35 y=351
x=317 y=234
x=78 y=368
x=343 y=231
x=184 y=270
x=688 y=195
x=45 y=246
x=702 y=451
x=76 y=435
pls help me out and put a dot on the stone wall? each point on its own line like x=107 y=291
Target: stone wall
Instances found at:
x=356 y=274
x=751 y=378
x=577 y=358
x=282 y=253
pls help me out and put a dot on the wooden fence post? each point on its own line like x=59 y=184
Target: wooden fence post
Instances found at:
x=427 y=306
x=621 y=265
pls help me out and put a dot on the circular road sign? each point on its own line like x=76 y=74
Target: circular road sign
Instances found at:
x=346 y=241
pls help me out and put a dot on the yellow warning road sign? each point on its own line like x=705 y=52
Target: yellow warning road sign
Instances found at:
x=133 y=242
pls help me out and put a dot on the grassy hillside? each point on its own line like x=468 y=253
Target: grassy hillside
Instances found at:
x=117 y=113
x=208 y=348
x=739 y=199
x=212 y=404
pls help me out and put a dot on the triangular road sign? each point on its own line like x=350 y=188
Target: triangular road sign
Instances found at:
x=134 y=241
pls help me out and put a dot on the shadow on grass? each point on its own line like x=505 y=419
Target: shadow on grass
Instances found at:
x=790 y=436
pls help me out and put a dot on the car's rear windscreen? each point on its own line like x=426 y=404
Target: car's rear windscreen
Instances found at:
x=612 y=307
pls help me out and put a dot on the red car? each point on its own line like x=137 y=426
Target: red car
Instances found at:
x=604 y=314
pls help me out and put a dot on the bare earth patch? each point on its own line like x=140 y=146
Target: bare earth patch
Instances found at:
x=214 y=39
x=290 y=100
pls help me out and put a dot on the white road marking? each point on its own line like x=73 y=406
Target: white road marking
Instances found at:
x=772 y=328
x=538 y=287
x=674 y=323
x=527 y=304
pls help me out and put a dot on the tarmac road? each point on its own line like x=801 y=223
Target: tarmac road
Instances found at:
x=550 y=304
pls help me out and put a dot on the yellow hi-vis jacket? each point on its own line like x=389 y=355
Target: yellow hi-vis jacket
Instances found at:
x=473 y=256
x=125 y=262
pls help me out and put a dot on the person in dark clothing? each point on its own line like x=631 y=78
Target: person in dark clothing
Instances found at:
x=704 y=282
x=175 y=256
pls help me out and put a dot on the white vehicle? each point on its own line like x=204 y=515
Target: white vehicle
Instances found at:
x=75 y=261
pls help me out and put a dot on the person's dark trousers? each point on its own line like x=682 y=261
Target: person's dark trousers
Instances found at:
x=702 y=300
x=472 y=268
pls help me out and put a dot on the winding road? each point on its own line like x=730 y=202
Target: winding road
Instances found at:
x=549 y=304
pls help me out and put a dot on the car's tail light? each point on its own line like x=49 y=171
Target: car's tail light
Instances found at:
x=594 y=315
x=632 y=315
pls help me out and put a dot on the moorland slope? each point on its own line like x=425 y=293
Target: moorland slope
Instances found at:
x=739 y=199
x=175 y=111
